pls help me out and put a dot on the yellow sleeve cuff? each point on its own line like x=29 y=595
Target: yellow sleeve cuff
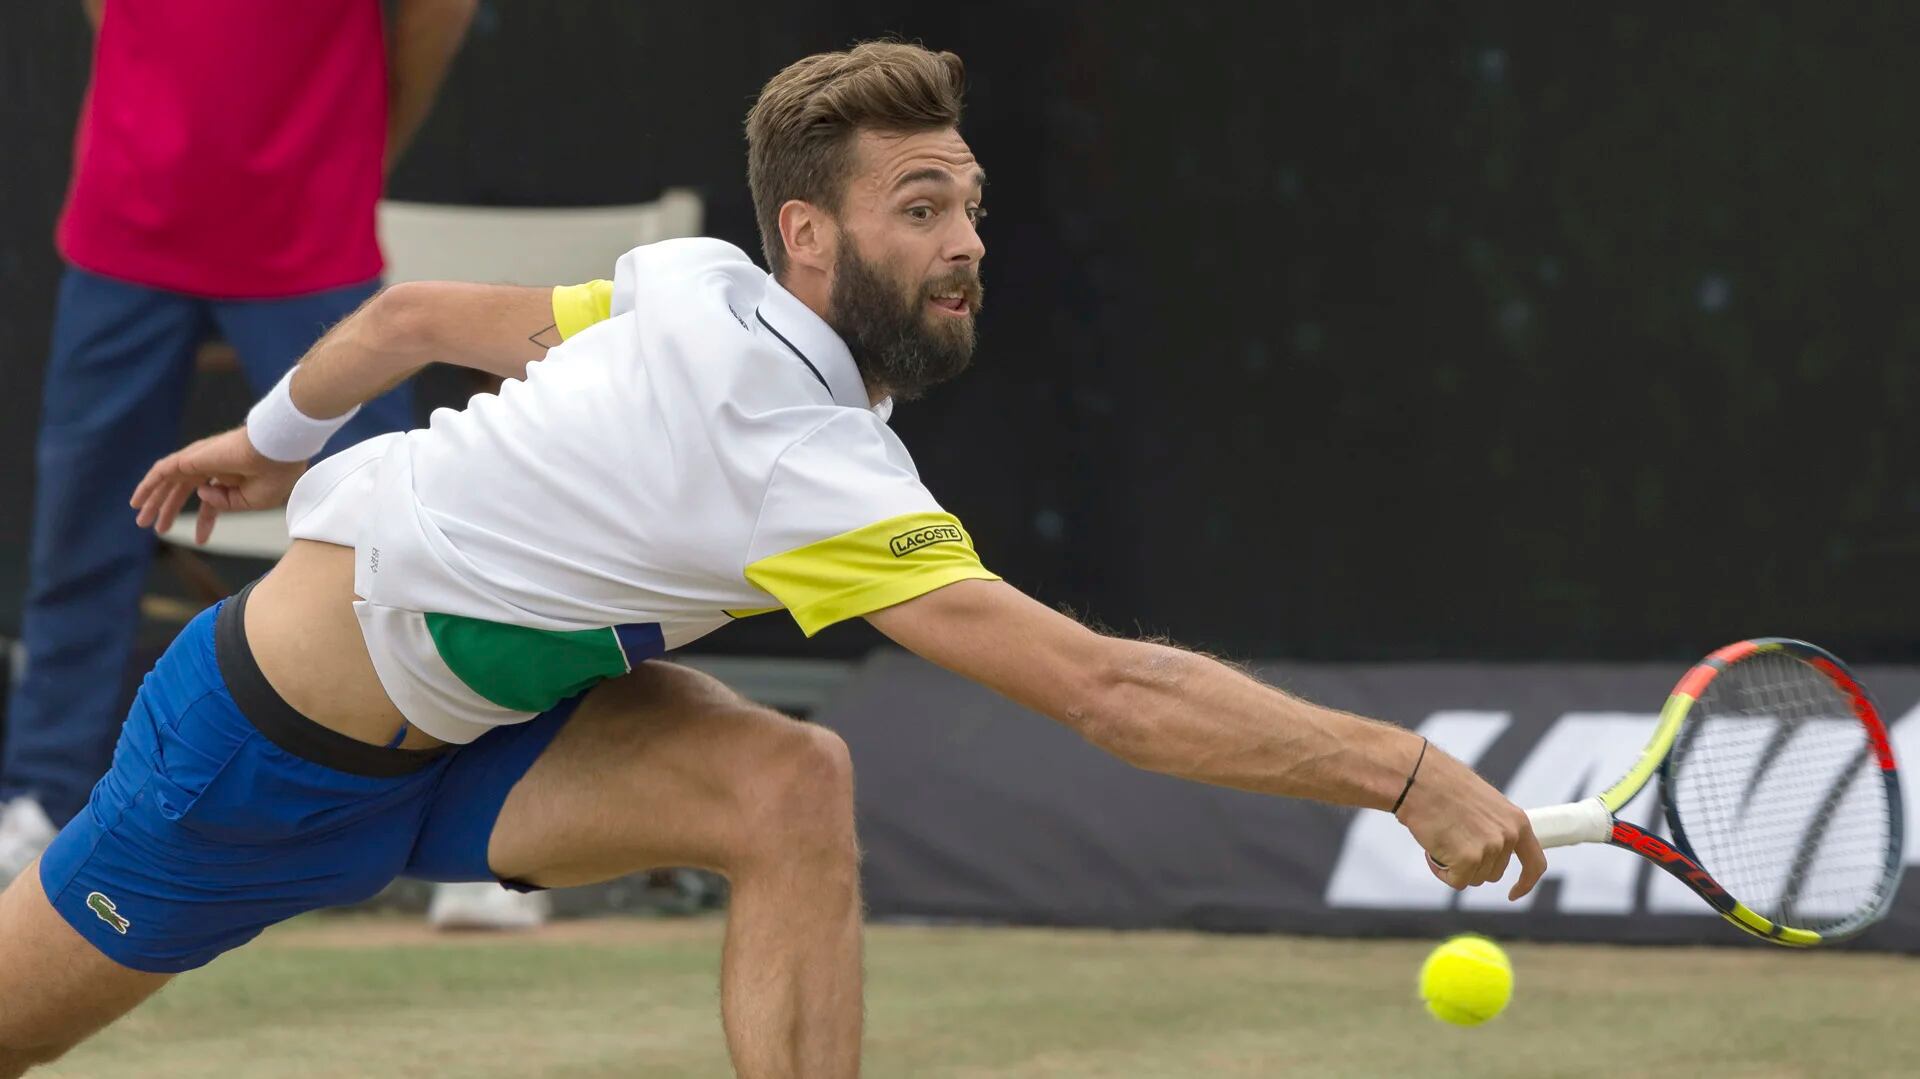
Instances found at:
x=877 y=595
x=869 y=568
x=575 y=307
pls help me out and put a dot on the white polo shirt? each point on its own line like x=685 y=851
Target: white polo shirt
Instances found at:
x=705 y=452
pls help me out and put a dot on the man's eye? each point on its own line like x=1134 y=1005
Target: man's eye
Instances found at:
x=976 y=214
x=920 y=213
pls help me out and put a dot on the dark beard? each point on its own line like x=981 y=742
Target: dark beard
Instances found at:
x=889 y=335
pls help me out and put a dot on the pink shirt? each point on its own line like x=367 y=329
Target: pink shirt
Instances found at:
x=231 y=148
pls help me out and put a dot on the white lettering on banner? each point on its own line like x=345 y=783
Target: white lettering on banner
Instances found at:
x=1380 y=866
x=1582 y=754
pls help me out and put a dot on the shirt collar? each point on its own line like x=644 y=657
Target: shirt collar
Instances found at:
x=812 y=342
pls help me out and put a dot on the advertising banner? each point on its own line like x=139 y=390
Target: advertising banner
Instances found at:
x=974 y=808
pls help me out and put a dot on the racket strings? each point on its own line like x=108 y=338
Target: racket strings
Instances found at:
x=1776 y=789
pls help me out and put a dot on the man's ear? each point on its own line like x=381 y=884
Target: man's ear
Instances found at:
x=810 y=234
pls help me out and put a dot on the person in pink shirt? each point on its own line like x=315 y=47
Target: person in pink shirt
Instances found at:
x=229 y=158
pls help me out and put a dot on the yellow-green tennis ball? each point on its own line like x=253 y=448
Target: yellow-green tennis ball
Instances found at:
x=1466 y=981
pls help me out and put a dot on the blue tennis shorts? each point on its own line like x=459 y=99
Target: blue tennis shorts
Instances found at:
x=226 y=811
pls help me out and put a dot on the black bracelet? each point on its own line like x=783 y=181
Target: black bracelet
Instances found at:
x=1416 y=771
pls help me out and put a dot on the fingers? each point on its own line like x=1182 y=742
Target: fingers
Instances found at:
x=1489 y=858
x=1533 y=864
x=145 y=503
x=159 y=496
x=1489 y=865
x=153 y=489
x=154 y=504
x=1469 y=832
x=172 y=497
x=203 y=523
x=144 y=489
x=164 y=503
x=1499 y=856
x=164 y=489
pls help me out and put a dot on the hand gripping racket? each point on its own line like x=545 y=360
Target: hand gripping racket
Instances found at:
x=1780 y=790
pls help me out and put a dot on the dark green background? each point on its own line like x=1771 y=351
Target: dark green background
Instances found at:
x=1312 y=330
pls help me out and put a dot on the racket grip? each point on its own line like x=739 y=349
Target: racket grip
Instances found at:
x=1585 y=821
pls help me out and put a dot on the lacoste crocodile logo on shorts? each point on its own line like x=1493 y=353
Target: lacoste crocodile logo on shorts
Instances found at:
x=906 y=543
x=108 y=913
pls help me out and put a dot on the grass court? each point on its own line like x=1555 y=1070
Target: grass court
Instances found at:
x=363 y=996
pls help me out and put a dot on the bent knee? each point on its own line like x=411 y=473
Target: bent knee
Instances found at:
x=805 y=774
x=798 y=799
x=824 y=760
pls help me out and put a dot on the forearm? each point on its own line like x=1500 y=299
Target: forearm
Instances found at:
x=363 y=356
x=1153 y=706
x=1172 y=711
x=426 y=36
x=498 y=329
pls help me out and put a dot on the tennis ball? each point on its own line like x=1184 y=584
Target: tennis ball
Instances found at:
x=1466 y=981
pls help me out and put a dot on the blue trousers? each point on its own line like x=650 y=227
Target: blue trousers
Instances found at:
x=116 y=390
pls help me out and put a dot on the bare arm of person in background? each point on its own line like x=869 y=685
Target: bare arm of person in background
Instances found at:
x=420 y=48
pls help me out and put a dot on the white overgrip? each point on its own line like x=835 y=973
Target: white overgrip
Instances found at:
x=1585 y=821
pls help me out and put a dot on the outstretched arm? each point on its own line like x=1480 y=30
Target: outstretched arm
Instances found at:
x=1168 y=710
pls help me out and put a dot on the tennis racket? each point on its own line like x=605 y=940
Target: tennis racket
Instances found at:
x=1780 y=790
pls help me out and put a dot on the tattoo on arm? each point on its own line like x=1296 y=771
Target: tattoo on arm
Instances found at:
x=548 y=337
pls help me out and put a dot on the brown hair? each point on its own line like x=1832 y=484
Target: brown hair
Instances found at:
x=801 y=131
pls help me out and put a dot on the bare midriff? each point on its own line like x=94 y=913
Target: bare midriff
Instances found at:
x=307 y=641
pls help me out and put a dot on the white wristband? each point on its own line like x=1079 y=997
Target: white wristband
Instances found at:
x=281 y=432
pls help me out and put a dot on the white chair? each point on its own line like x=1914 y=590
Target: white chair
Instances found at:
x=525 y=246
x=499 y=245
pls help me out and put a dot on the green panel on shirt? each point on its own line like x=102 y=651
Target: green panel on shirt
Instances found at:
x=527 y=670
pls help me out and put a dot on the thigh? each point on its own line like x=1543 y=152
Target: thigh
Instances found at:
x=653 y=769
x=271 y=336
x=55 y=987
x=118 y=372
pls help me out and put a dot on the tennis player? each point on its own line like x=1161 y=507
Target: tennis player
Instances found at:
x=453 y=673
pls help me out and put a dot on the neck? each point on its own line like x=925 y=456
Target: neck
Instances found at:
x=811 y=287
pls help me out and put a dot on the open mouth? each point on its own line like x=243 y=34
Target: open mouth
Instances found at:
x=953 y=303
